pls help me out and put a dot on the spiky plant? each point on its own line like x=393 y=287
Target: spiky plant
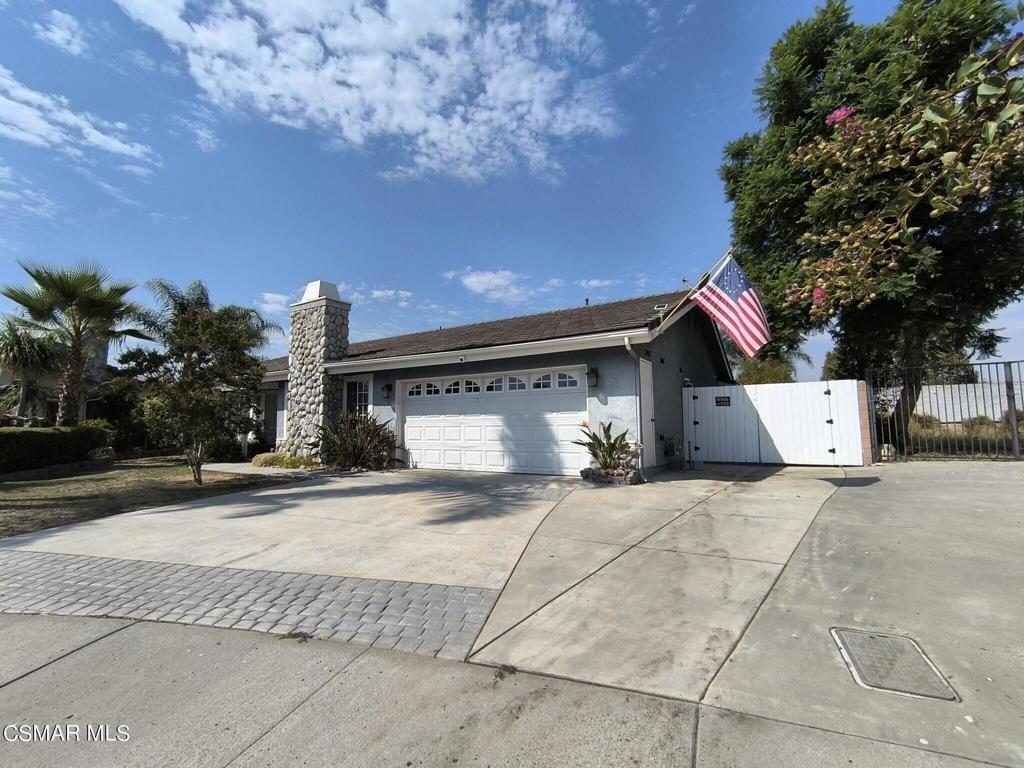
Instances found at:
x=357 y=440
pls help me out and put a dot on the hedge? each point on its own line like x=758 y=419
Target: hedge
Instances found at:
x=33 y=447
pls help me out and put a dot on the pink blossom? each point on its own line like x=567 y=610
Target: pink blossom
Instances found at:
x=818 y=297
x=839 y=115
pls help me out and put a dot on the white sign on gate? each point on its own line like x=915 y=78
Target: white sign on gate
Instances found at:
x=814 y=423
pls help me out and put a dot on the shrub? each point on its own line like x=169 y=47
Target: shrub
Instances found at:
x=925 y=421
x=108 y=429
x=283 y=460
x=1007 y=424
x=609 y=452
x=357 y=440
x=33 y=447
x=980 y=426
x=224 y=448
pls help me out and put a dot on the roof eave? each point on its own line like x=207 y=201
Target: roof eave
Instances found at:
x=497 y=352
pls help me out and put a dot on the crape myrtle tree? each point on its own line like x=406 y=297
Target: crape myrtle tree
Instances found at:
x=201 y=385
x=882 y=201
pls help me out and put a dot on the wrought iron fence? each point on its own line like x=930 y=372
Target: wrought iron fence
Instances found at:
x=962 y=410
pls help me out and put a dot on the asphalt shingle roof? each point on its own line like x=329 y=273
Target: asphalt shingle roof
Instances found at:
x=576 y=321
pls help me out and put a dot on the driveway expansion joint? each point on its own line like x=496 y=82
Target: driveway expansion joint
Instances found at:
x=425 y=619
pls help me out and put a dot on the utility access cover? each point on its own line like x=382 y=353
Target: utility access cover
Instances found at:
x=891 y=663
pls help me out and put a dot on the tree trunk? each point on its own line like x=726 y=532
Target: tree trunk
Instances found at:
x=23 y=396
x=195 y=462
x=71 y=387
x=913 y=379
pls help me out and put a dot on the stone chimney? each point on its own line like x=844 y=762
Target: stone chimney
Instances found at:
x=319 y=333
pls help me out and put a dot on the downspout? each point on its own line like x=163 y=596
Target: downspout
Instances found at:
x=639 y=405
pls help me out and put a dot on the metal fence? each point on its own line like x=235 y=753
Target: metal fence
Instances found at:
x=963 y=411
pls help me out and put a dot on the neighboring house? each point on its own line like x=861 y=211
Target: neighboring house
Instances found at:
x=501 y=396
x=97 y=372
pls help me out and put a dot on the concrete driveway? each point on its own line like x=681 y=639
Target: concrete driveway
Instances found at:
x=715 y=591
x=650 y=588
x=429 y=527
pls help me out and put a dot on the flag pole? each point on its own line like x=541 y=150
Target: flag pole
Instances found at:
x=697 y=286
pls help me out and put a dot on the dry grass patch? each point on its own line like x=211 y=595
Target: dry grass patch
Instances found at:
x=31 y=505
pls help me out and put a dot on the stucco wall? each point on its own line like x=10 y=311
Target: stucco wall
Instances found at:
x=613 y=399
x=687 y=350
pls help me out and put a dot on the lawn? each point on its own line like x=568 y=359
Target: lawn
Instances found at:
x=31 y=505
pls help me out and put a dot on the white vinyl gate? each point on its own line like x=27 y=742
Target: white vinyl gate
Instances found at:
x=815 y=423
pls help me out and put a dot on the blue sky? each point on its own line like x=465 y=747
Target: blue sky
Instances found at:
x=445 y=163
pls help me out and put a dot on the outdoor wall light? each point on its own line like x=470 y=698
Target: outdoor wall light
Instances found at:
x=386 y=391
x=592 y=377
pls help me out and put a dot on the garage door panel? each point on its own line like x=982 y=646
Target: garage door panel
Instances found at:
x=518 y=431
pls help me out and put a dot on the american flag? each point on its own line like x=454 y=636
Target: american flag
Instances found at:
x=730 y=299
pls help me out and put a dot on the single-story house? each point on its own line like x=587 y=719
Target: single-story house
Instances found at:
x=506 y=395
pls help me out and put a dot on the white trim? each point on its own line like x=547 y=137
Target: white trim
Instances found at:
x=276 y=375
x=502 y=351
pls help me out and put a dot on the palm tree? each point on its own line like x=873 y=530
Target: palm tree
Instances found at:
x=77 y=305
x=174 y=303
x=26 y=354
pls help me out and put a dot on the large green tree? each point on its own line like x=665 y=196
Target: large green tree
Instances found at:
x=77 y=306
x=838 y=99
x=27 y=354
x=201 y=384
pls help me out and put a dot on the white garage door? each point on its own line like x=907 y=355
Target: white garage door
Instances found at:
x=512 y=422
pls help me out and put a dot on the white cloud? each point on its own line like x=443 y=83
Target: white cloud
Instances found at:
x=685 y=13
x=63 y=31
x=19 y=198
x=274 y=304
x=551 y=284
x=401 y=298
x=463 y=90
x=117 y=193
x=597 y=283
x=502 y=285
x=199 y=123
x=141 y=171
x=47 y=120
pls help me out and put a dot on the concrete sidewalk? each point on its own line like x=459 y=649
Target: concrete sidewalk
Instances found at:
x=931 y=551
x=192 y=696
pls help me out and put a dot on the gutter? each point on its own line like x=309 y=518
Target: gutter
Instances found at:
x=499 y=352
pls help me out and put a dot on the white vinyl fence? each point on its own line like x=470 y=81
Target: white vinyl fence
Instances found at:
x=814 y=423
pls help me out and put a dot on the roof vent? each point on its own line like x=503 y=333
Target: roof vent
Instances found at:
x=660 y=307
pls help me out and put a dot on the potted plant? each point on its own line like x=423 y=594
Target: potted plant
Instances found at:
x=613 y=457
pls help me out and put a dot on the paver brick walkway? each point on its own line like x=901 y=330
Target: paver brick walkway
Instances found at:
x=426 y=619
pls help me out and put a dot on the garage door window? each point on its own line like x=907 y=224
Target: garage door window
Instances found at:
x=515 y=384
x=495 y=385
x=542 y=382
x=452 y=388
x=567 y=381
x=416 y=390
x=469 y=386
x=432 y=389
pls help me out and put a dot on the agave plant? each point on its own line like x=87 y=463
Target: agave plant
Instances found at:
x=357 y=440
x=609 y=452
